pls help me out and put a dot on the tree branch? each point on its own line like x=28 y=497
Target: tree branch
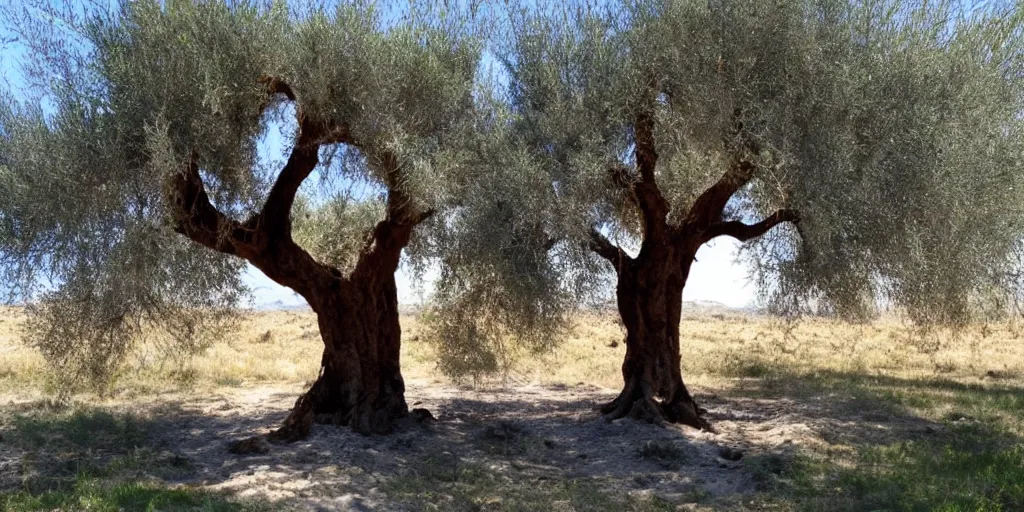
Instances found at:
x=645 y=151
x=276 y=86
x=393 y=233
x=401 y=208
x=744 y=232
x=607 y=250
x=265 y=238
x=708 y=208
x=649 y=197
x=274 y=217
x=194 y=216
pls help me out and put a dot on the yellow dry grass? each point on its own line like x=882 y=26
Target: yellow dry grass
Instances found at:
x=718 y=349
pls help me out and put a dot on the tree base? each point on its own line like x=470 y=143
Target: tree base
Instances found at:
x=638 y=402
x=330 y=405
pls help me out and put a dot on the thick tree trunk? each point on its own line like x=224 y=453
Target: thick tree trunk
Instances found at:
x=650 y=286
x=650 y=295
x=360 y=383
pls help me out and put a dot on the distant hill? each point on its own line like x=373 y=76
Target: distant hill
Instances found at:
x=690 y=308
x=280 y=305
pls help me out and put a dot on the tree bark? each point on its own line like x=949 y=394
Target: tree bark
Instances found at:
x=360 y=383
x=649 y=290
x=649 y=293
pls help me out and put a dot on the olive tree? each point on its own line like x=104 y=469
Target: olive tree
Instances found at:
x=868 y=153
x=132 y=190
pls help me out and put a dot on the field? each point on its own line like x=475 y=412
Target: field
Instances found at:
x=821 y=415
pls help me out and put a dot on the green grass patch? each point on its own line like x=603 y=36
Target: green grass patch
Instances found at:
x=88 y=428
x=907 y=476
x=972 y=459
x=56 y=448
x=92 y=495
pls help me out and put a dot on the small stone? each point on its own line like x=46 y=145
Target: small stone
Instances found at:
x=250 y=446
x=422 y=415
x=730 y=454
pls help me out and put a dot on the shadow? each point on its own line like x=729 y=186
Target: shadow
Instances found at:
x=523 y=445
x=528 y=448
x=863 y=409
x=882 y=442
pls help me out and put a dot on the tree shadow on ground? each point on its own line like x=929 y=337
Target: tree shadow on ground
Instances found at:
x=892 y=443
x=861 y=408
x=512 y=450
x=529 y=448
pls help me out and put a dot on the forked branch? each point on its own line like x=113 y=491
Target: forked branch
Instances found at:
x=744 y=232
x=649 y=197
x=193 y=215
x=710 y=205
x=274 y=216
x=607 y=250
x=391 y=235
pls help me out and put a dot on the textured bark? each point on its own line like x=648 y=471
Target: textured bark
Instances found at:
x=649 y=291
x=649 y=295
x=360 y=383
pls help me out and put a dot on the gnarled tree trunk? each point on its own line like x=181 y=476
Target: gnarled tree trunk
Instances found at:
x=360 y=383
x=650 y=286
x=650 y=295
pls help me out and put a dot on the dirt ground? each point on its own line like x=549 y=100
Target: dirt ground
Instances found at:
x=526 y=435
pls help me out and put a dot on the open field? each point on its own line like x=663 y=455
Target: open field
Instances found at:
x=827 y=416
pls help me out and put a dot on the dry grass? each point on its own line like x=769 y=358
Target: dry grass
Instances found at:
x=718 y=350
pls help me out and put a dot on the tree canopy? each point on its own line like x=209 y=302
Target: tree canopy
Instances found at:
x=868 y=153
x=148 y=120
x=883 y=139
x=893 y=129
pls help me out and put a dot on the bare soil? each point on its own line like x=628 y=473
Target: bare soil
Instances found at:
x=526 y=435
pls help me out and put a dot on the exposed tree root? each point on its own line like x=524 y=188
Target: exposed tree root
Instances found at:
x=638 y=402
x=327 y=404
